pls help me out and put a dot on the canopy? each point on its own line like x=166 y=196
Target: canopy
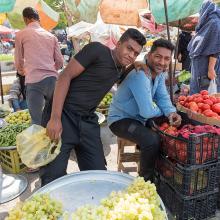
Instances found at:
x=48 y=17
x=6 y=5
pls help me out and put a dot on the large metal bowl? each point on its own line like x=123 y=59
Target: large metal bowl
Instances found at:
x=86 y=187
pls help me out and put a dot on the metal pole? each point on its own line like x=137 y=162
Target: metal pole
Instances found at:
x=176 y=48
x=1 y=85
x=168 y=36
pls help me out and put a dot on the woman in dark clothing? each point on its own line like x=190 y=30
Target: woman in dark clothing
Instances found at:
x=183 y=53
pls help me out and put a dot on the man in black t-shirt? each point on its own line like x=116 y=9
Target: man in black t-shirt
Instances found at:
x=79 y=90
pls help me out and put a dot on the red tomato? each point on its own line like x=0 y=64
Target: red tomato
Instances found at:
x=189 y=98
x=213 y=99
x=218 y=100
x=193 y=106
x=205 y=107
x=181 y=102
x=200 y=104
x=205 y=97
x=208 y=101
x=182 y=98
x=209 y=113
x=186 y=105
x=204 y=92
x=198 y=99
x=216 y=108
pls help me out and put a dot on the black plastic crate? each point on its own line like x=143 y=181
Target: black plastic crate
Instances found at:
x=188 y=207
x=198 y=149
x=189 y=181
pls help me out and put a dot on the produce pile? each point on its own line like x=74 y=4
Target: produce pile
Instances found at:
x=19 y=117
x=106 y=101
x=184 y=76
x=202 y=103
x=8 y=134
x=206 y=147
x=139 y=201
x=40 y=207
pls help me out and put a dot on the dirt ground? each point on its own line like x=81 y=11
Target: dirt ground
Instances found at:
x=110 y=149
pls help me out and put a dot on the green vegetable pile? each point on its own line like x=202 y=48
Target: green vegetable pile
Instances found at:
x=8 y=134
x=184 y=76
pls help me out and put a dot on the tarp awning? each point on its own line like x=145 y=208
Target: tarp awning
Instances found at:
x=6 y=5
x=176 y=9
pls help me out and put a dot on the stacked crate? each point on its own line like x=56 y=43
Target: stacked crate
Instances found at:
x=188 y=175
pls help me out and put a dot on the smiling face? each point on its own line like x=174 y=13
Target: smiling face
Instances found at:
x=127 y=51
x=159 y=60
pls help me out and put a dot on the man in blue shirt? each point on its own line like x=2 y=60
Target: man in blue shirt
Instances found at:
x=140 y=97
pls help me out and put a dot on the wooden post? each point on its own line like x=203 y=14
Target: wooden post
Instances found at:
x=2 y=97
x=170 y=67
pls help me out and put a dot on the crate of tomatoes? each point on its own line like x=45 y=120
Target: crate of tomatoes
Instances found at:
x=201 y=107
x=188 y=180
x=190 y=144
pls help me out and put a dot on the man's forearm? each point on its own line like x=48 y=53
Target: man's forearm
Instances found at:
x=212 y=62
x=61 y=89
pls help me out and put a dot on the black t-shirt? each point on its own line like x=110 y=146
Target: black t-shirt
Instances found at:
x=88 y=89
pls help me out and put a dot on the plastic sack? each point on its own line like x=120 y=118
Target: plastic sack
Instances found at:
x=84 y=10
x=176 y=9
x=35 y=147
x=212 y=87
x=122 y=12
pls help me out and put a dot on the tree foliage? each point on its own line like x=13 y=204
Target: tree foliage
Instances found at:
x=58 y=6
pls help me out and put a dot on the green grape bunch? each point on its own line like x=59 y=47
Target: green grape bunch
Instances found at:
x=40 y=207
x=139 y=201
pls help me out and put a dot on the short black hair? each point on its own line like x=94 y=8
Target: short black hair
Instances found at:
x=30 y=13
x=133 y=34
x=162 y=43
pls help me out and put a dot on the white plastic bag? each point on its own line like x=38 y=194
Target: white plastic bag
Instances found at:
x=35 y=148
x=212 y=87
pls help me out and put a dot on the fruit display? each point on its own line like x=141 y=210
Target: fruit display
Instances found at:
x=18 y=117
x=106 y=101
x=138 y=201
x=8 y=134
x=190 y=143
x=40 y=207
x=184 y=76
x=202 y=103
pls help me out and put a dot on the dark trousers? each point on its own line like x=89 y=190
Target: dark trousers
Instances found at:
x=81 y=133
x=38 y=95
x=147 y=139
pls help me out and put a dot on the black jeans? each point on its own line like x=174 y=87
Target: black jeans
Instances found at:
x=147 y=139
x=81 y=133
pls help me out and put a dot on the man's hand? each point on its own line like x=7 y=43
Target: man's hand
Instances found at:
x=54 y=129
x=179 y=58
x=175 y=119
x=211 y=73
x=141 y=66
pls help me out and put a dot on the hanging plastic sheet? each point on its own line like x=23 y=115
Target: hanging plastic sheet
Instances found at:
x=6 y=5
x=176 y=9
x=84 y=10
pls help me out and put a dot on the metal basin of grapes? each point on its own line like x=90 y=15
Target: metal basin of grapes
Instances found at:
x=86 y=187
